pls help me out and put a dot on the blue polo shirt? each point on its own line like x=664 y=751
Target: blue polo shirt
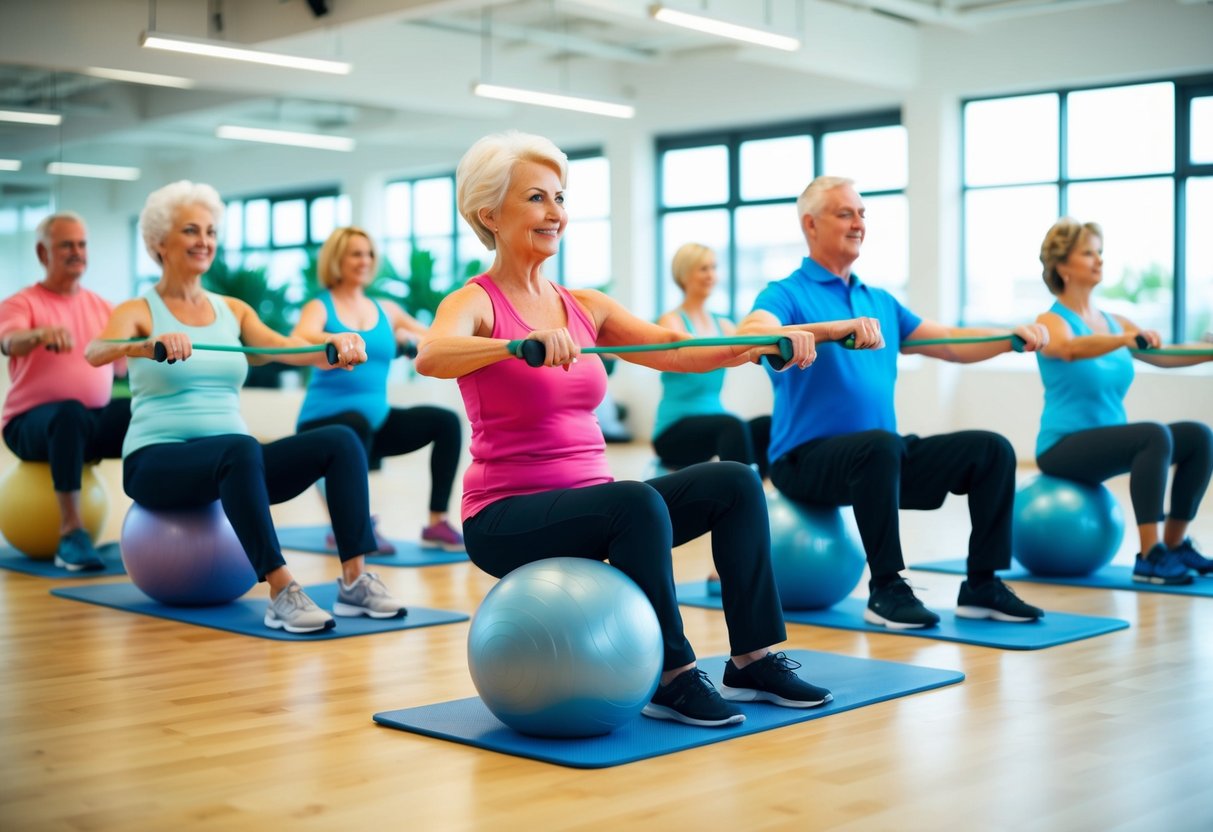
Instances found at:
x=843 y=391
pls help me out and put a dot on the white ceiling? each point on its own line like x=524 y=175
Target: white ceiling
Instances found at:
x=415 y=60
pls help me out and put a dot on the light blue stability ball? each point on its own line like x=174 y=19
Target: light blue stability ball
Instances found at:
x=1063 y=528
x=565 y=647
x=815 y=555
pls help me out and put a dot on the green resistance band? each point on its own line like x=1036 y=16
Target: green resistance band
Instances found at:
x=161 y=354
x=534 y=353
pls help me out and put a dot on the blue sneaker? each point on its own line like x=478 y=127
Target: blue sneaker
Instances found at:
x=1161 y=566
x=1192 y=558
x=76 y=553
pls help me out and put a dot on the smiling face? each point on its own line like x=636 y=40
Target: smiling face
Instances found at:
x=699 y=280
x=357 y=265
x=1083 y=266
x=835 y=235
x=531 y=219
x=189 y=246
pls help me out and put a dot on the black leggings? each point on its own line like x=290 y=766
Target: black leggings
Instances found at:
x=247 y=477
x=67 y=434
x=634 y=526
x=1144 y=450
x=699 y=438
x=407 y=430
x=879 y=472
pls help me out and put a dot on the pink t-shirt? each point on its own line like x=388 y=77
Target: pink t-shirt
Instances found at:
x=43 y=376
x=533 y=428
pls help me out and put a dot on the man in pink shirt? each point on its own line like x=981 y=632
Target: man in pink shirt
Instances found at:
x=59 y=408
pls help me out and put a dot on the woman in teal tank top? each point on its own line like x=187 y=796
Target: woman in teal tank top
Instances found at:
x=346 y=266
x=692 y=425
x=188 y=445
x=1087 y=369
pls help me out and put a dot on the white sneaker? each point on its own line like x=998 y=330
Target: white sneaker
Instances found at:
x=294 y=612
x=367 y=596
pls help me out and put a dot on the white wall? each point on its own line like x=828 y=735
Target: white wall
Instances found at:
x=1144 y=39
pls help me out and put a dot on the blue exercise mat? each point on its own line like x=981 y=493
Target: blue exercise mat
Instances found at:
x=854 y=682
x=1110 y=577
x=408 y=552
x=1055 y=628
x=15 y=561
x=246 y=615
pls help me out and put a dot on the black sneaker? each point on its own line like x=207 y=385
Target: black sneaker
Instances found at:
x=1191 y=557
x=895 y=606
x=994 y=599
x=771 y=679
x=691 y=698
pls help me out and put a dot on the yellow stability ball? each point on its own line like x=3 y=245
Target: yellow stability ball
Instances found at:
x=29 y=512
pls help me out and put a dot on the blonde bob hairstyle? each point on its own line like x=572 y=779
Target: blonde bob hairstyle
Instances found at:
x=813 y=199
x=484 y=172
x=328 y=262
x=1063 y=238
x=687 y=259
x=156 y=219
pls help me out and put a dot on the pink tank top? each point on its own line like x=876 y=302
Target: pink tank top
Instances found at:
x=533 y=428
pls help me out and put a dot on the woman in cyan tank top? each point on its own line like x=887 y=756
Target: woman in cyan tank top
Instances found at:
x=1087 y=368
x=539 y=485
x=188 y=446
x=692 y=425
x=345 y=267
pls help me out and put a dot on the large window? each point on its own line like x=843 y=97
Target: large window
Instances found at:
x=423 y=230
x=736 y=193
x=1137 y=159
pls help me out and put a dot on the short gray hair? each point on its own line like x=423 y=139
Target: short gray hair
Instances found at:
x=43 y=232
x=484 y=172
x=812 y=200
x=156 y=219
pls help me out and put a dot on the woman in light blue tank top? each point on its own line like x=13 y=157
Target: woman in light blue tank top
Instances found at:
x=1087 y=369
x=188 y=445
x=346 y=266
x=692 y=425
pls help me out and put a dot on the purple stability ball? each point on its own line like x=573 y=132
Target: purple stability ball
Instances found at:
x=187 y=557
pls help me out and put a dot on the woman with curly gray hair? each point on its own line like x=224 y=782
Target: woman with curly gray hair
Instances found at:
x=1087 y=368
x=188 y=445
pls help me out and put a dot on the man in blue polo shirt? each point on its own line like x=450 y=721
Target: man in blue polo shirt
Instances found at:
x=834 y=437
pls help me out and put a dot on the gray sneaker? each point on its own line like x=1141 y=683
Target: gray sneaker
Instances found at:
x=367 y=596
x=294 y=612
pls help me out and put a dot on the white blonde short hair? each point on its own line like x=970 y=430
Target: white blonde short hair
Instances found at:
x=483 y=175
x=813 y=199
x=156 y=219
x=688 y=258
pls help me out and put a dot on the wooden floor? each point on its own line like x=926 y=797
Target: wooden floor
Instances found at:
x=118 y=721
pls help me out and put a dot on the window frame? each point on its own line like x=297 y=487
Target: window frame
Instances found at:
x=1186 y=88
x=733 y=139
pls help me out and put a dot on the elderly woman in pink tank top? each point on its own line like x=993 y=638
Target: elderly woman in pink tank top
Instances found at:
x=539 y=485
